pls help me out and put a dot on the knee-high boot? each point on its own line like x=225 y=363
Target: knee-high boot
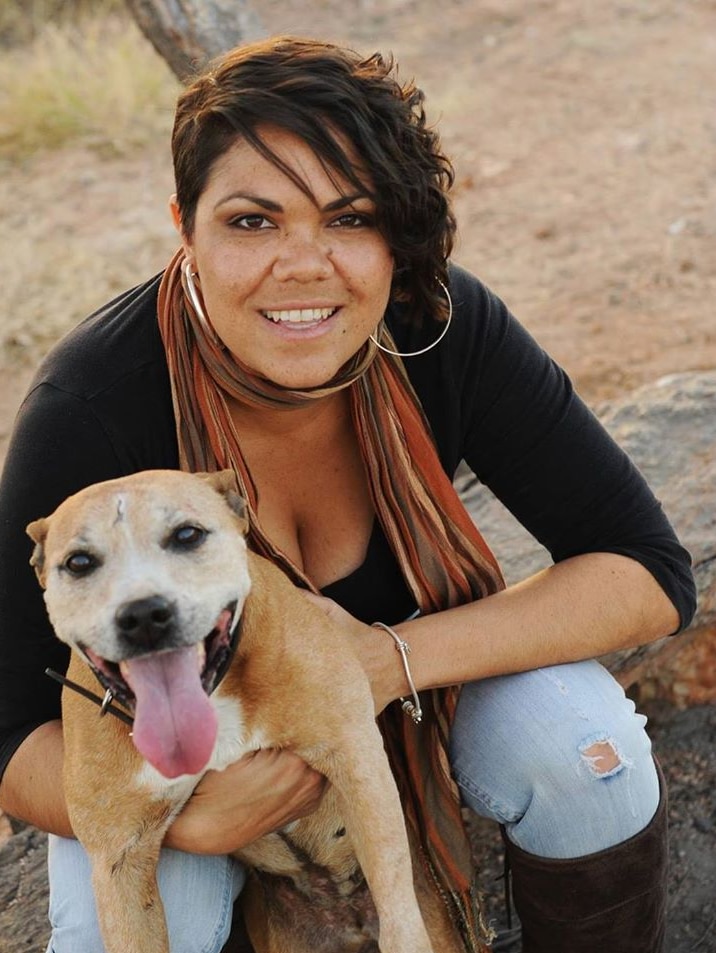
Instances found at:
x=613 y=900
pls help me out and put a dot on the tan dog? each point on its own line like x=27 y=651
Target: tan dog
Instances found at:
x=148 y=579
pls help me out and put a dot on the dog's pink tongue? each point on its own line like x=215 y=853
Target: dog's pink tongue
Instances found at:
x=175 y=724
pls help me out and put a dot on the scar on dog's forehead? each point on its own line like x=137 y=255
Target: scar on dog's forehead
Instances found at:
x=121 y=503
x=161 y=509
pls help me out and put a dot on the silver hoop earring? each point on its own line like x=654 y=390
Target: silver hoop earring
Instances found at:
x=196 y=301
x=423 y=350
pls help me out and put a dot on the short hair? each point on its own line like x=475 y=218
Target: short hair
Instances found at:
x=314 y=90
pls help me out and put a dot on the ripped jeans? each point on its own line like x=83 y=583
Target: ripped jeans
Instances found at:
x=558 y=755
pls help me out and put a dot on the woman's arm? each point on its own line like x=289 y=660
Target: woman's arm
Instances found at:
x=261 y=793
x=496 y=399
x=620 y=577
x=31 y=788
x=583 y=607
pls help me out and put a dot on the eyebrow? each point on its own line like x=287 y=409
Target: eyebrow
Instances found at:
x=341 y=202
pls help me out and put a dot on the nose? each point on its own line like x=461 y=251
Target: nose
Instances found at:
x=145 y=622
x=303 y=256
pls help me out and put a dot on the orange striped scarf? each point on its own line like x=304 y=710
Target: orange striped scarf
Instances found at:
x=443 y=557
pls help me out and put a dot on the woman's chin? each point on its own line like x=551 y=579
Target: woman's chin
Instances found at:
x=302 y=375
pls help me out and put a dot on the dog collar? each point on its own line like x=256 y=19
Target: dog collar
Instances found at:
x=105 y=703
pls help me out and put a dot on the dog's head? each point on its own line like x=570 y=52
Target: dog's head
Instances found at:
x=146 y=576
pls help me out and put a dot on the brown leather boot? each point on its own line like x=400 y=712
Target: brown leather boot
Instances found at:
x=613 y=900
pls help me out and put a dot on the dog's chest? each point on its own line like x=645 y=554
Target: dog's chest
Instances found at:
x=234 y=739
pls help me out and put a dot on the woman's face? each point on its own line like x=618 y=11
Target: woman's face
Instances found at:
x=292 y=285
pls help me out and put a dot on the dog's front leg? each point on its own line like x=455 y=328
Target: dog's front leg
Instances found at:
x=130 y=911
x=123 y=848
x=369 y=804
x=120 y=821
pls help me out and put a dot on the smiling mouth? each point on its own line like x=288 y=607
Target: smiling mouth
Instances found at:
x=297 y=317
x=213 y=655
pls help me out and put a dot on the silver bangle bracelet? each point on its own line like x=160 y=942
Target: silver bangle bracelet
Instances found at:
x=411 y=708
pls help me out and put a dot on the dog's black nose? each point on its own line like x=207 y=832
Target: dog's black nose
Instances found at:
x=144 y=622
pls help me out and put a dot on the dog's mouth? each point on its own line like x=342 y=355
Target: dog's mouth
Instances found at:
x=213 y=657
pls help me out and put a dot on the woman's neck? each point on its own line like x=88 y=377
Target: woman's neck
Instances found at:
x=326 y=415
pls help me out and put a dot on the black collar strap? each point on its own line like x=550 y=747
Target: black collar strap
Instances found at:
x=105 y=704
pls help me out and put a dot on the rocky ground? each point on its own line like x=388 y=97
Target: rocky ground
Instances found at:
x=583 y=137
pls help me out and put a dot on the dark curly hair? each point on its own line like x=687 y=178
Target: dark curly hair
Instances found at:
x=315 y=90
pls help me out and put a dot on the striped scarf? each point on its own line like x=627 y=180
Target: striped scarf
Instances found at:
x=442 y=556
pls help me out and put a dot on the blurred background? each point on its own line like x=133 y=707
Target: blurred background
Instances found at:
x=583 y=135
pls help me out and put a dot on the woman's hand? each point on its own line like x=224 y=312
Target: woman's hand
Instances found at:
x=260 y=793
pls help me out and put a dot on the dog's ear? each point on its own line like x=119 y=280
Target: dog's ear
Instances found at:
x=225 y=483
x=37 y=531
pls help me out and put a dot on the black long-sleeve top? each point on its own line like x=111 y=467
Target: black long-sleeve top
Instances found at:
x=100 y=407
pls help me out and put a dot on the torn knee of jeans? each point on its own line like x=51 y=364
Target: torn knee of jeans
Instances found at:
x=602 y=757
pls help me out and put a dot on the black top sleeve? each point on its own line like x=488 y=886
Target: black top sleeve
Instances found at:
x=525 y=433
x=45 y=463
x=100 y=407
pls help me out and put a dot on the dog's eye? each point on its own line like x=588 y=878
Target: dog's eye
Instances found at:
x=80 y=563
x=187 y=536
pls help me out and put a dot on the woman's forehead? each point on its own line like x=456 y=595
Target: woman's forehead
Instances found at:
x=288 y=161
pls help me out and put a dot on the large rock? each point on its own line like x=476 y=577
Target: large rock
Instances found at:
x=669 y=430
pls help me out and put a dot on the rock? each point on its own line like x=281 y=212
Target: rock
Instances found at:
x=669 y=430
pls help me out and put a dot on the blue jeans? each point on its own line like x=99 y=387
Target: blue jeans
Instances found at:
x=558 y=755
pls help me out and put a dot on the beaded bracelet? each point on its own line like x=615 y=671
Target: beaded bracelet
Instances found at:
x=411 y=708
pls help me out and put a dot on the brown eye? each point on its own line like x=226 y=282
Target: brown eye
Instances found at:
x=252 y=222
x=80 y=563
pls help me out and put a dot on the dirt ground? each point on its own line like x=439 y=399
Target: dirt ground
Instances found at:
x=583 y=136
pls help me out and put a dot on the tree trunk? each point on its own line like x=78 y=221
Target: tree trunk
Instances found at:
x=189 y=33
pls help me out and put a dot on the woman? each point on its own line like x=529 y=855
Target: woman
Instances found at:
x=315 y=228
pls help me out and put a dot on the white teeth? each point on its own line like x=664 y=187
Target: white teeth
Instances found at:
x=201 y=655
x=300 y=316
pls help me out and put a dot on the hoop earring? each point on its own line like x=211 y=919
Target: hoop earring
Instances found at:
x=423 y=350
x=196 y=302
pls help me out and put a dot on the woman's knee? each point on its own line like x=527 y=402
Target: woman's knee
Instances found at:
x=197 y=893
x=558 y=755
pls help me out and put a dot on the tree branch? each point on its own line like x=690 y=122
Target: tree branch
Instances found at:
x=189 y=33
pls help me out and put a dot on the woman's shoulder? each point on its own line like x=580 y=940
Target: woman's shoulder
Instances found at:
x=114 y=343
x=481 y=317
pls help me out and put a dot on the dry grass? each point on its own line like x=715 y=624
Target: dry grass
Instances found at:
x=91 y=76
x=22 y=20
x=86 y=107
